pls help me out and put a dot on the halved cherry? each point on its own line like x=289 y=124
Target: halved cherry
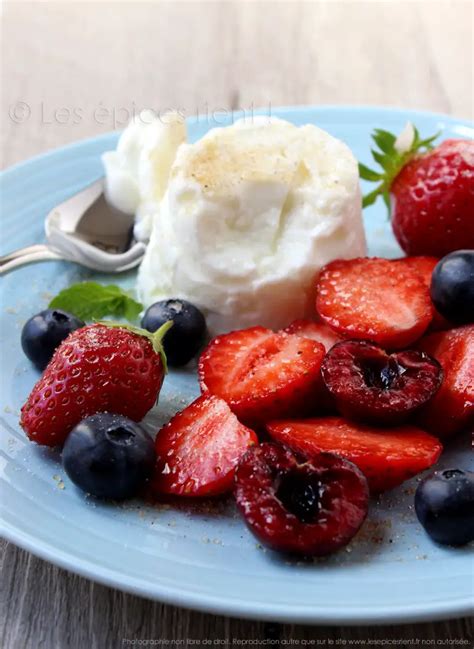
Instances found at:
x=311 y=507
x=370 y=385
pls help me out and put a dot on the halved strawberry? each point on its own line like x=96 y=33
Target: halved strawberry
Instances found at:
x=314 y=331
x=424 y=266
x=328 y=338
x=374 y=299
x=386 y=457
x=452 y=408
x=261 y=374
x=198 y=450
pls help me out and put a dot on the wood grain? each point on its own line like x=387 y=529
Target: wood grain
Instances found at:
x=71 y=62
x=45 y=607
x=102 y=61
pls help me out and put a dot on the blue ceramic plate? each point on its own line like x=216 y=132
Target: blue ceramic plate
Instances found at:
x=203 y=556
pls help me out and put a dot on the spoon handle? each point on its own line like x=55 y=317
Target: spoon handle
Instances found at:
x=28 y=255
x=37 y=247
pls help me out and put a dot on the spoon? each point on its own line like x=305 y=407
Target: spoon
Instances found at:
x=87 y=230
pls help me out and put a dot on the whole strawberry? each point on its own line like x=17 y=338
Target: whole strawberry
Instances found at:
x=101 y=367
x=430 y=190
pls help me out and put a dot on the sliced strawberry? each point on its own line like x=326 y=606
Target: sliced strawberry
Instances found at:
x=452 y=408
x=314 y=331
x=198 y=450
x=328 y=338
x=424 y=266
x=386 y=457
x=374 y=299
x=261 y=374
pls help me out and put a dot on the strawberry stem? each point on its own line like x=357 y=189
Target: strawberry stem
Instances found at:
x=155 y=337
x=157 y=342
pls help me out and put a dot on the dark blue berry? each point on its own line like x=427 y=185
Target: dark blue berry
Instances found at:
x=452 y=286
x=444 y=504
x=45 y=331
x=109 y=456
x=186 y=336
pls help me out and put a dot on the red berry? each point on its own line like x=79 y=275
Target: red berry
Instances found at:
x=433 y=200
x=261 y=373
x=452 y=409
x=198 y=450
x=96 y=369
x=387 y=457
x=314 y=331
x=374 y=299
x=424 y=266
x=327 y=337
x=372 y=386
x=311 y=508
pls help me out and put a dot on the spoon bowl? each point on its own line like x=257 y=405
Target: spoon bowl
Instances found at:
x=87 y=230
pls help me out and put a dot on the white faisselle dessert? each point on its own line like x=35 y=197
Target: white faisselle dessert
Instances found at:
x=243 y=219
x=137 y=172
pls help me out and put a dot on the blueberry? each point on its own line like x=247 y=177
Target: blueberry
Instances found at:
x=187 y=334
x=452 y=286
x=444 y=504
x=108 y=456
x=45 y=331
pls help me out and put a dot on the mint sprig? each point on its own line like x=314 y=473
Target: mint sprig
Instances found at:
x=156 y=337
x=92 y=301
x=392 y=158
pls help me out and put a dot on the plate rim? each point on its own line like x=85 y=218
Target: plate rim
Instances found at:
x=383 y=614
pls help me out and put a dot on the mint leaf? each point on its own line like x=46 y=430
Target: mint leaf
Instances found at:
x=92 y=301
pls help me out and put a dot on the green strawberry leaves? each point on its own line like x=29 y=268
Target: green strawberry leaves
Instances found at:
x=392 y=154
x=369 y=174
x=92 y=301
x=384 y=140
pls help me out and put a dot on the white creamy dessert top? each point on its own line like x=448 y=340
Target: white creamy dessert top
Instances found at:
x=250 y=214
x=137 y=171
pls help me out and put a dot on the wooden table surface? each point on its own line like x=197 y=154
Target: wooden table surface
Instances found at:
x=72 y=70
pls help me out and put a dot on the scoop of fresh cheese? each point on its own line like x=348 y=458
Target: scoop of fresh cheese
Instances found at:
x=137 y=172
x=250 y=214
